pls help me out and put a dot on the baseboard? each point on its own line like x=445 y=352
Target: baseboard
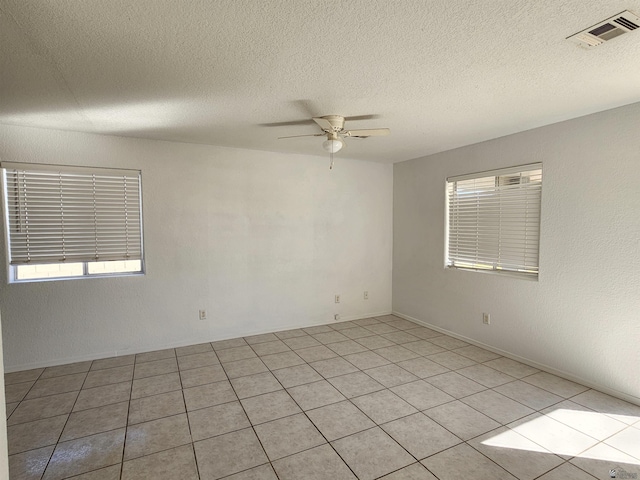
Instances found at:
x=183 y=343
x=560 y=373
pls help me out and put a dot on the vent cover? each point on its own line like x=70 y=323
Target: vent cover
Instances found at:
x=606 y=30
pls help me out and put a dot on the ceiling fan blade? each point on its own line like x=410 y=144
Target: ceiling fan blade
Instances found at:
x=309 y=135
x=323 y=123
x=361 y=117
x=373 y=132
x=288 y=124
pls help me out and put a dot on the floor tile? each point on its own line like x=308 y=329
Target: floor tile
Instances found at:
x=269 y=348
x=257 y=384
x=236 y=353
x=202 y=376
x=402 y=324
x=314 y=395
x=44 y=407
x=68 y=369
x=297 y=343
x=420 y=435
x=358 y=452
x=381 y=328
x=263 y=472
x=455 y=384
x=113 y=362
x=156 y=435
x=158 y=367
x=171 y=464
x=85 y=454
x=23 y=376
x=365 y=360
x=333 y=367
x=376 y=341
x=10 y=407
x=415 y=471
x=318 y=329
x=282 y=360
x=363 y=322
x=100 y=396
x=355 y=384
x=383 y=406
x=218 y=420
x=356 y=332
x=451 y=360
x=231 y=343
x=423 y=367
x=485 y=376
x=602 y=458
x=319 y=463
x=595 y=424
x=106 y=473
x=424 y=333
x=555 y=384
x=463 y=461
x=614 y=407
x=339 y=420
x=401 y=337
x=29 y=465
x=262 y=338
x=422 y=395
x=156 y=406
x=330 y=337
x=313 y=354
x=208 y=395
x=109 y=376
x=448 y=342
x=391 y=375
x=461 y=420
x=627 y=441
x=386 y=318
x=297 y=375
x=242 y=368
x=344 y=325
x=566 y=472
x=502 y=409
x=529 y=395
x=297 y=332
x=53 y=386
x=31 y=435
x=396 y=353
x=96 y=420
x=423 y=347
x=556 y=437
x=346 y=348
x=288 y=435
x=193 y=349
x=519 y=456
x=477 y=354
x=197 y=360
x=155 y=385
x=511 y=367
x=155 y=355
x=228 y=454
x=17 y=391
x=269 y=406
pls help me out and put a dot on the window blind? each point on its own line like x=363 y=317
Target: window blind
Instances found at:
x=72 y=214
x=494 y=220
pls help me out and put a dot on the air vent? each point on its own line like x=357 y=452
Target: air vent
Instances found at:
x=606 y=30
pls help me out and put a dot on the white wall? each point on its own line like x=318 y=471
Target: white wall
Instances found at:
x=583 y=315
x=260 y=240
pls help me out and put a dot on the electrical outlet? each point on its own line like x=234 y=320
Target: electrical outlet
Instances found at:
x=202 y=314
x=336 y=316
x=366 y=295
x=486 y=318
x=337 y=298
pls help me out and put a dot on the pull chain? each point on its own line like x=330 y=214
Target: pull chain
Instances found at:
x=331 y=165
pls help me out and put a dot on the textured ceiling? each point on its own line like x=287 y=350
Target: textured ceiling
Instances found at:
x=440 y=74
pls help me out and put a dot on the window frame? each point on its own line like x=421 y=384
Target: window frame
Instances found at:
x=495 y=268
x=12 y=269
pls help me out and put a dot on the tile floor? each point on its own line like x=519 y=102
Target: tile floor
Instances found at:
x=373 y=398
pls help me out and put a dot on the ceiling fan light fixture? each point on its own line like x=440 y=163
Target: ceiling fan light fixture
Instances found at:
x=333 y=145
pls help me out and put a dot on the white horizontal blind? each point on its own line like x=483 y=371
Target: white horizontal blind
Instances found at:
x=494 y=220
x=72 y=214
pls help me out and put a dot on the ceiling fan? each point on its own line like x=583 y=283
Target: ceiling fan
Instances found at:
x=333 y=128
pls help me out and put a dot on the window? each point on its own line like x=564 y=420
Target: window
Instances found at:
x=494 y=220
x=63 y=222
